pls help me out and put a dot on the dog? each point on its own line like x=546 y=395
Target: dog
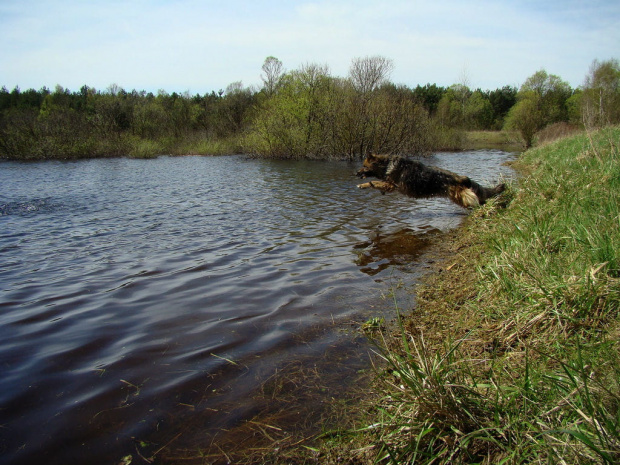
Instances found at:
x=414 y=179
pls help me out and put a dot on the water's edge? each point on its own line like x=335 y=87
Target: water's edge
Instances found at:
x=167 y=308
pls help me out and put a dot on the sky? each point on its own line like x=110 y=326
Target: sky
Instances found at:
x=202 y=46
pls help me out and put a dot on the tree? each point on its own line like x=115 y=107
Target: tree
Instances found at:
x=451 y=108
x=449 y=114
x=552 y=95
x=368 y=73
x=478 y=112
x=272 y=73
x=541 y=100
x=313 y=115
x=401 y=124
x=429 y=96
x=600 y=101
x=297 y=120
x=234 y=108
x=502 y=100
x=525 y=116
x=366 y=76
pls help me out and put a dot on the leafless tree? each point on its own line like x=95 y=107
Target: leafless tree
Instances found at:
x=369 y=73
x=272 y=69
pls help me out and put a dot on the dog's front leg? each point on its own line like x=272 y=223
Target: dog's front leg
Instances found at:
x=383 y=186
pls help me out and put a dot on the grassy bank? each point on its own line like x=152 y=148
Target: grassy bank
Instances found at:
x=191 y=145
x=501 y=140
x=512 y=353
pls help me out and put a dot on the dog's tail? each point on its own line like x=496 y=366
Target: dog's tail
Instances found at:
x=463 y=196
x=475 y=196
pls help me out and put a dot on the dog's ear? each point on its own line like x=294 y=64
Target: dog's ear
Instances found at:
x=371 y=156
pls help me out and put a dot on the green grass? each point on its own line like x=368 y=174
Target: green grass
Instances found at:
x=528 y=369
x=137 y=147
x=505 y=140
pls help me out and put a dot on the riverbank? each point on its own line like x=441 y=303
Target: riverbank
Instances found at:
x=503 y=140
x=75 y=146
x=511 y=353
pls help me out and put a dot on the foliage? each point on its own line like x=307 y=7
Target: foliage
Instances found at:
x=301 y=113
x=542 y=100
x=429 y=96
x=368 y=74
x=526 y=117
x=601 y=95
x=502 y=100
x=272 y=69
x=552 y=93
x=90 y=123
x=315 y=115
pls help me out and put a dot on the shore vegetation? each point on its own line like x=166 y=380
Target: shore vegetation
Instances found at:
x=303 y=113
x=512 y=353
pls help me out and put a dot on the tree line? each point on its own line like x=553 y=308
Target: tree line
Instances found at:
x=304 y=113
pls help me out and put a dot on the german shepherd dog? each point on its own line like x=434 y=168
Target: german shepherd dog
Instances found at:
x=415 y=179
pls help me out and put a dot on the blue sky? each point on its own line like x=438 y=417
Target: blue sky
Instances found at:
x=200 y=46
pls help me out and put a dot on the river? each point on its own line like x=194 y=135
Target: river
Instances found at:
x=146 y=302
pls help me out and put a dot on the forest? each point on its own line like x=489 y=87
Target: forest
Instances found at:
x=304 y=113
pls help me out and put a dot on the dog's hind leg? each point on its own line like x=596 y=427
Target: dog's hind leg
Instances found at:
x=485 y=193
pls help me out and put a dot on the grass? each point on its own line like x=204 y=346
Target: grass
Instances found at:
x=136 y=147
x=504 y=140
x=512 y=140
x=208 y=146
x=512 y=354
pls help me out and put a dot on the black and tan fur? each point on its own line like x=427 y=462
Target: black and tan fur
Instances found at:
x=413 y=178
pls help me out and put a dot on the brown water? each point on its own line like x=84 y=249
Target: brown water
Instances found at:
x=152 y=302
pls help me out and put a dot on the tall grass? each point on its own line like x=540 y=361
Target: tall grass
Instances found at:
x=529 y=372
x=137 y=147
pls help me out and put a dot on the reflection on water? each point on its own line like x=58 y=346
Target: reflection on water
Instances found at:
x=399 y=248
x=153 y=302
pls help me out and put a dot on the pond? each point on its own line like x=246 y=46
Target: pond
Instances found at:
x=146 y=301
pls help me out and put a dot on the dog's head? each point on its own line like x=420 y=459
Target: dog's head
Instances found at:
x=374 y=166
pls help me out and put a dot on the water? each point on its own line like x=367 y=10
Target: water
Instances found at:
x=150 y=301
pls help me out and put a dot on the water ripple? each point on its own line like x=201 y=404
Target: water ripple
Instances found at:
x=133 y=289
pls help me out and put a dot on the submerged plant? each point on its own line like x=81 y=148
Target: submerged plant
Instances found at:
x=373 y=324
